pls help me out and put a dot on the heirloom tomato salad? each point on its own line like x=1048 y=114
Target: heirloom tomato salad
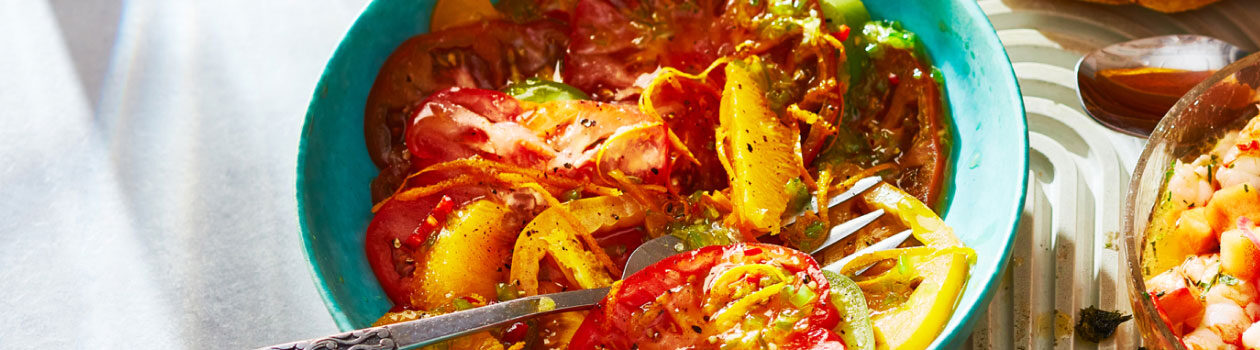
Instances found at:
x=1201 y=259
x=528 y=146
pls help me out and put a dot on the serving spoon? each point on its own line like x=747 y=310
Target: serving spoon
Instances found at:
x=1128 y=87
x=432 y=330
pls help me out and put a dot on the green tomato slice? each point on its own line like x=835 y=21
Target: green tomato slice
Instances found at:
x=855 y=322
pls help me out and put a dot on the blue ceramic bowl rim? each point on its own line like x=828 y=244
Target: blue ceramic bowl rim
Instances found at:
x=951 y=333
x=963 y=328
x=325 y=293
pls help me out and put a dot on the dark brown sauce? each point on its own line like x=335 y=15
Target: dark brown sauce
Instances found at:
x=1137 y=98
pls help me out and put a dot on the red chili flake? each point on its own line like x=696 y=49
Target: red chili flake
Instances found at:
x=843 y=33
x=421 y=233
x=1253 y=145
x=413 y=241
x=515 y=333
x=894 y=79
x=443 y=207
x=752 y=251
x=752 y=279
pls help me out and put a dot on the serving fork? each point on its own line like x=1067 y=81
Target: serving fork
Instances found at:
x=432 y=330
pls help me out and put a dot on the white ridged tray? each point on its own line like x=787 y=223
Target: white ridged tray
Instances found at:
x=1066 y=256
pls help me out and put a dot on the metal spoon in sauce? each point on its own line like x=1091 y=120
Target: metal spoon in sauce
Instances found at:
x=1128 y=87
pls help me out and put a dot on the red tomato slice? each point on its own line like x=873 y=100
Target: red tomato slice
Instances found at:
x=614 y=42
x=471 y=56
x=679 y=302
x=394 y=221
x=641 y=151
x=561 y=137
x=459 y=123
x=690 y=111
x=619 y=244
x=583 y=131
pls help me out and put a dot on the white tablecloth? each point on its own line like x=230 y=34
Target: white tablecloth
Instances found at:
x=147 y=178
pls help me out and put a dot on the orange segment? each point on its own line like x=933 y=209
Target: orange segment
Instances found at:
x=759 y=148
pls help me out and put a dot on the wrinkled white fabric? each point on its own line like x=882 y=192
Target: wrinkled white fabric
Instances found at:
x=147 y=182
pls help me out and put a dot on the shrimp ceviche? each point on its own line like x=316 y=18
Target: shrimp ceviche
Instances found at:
x=1201 y=259
x=528 y=146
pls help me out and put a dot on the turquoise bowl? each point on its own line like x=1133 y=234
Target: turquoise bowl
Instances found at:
x=984 y=202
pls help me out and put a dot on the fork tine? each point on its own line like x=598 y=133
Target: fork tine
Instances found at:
x=858 y=187
x=847 y=228
x=888 y=243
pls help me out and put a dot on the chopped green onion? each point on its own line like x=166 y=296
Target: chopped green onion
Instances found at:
x=711 y=213
x=754 y=322
x=570 y=195
x=695 y=197
x=848 y=12
x=506 y=291
x=798 y=195
x=814 y=229
x=799 y=297
x=786 y=7
x=891 y=34
x=784 y=324
x=461 y=304
x=546 y=304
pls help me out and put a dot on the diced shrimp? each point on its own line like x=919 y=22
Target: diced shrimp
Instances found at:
x=1226 y=147
x=1166 y=282
x=1200 y=268
x=1190 y=185
x=1203 y=338
x=1249 y=133
x=1243 y=170
x=1253 y=311
x=1227 y=320
x=1240 y=156
x=1240 y=292
x=1251 y=337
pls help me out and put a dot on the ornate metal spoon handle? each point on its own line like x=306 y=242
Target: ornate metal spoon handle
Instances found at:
x=375 y=338
x=431 y=330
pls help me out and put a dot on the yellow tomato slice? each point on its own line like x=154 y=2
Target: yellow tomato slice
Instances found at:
x=926 y=225
x=916 y=298
x=551 y=234
x=466 y=255
x=454 y=13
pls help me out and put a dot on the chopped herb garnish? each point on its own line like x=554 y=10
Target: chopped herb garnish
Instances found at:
x=1097 y=325
x=1228 y=280
x=814 y=229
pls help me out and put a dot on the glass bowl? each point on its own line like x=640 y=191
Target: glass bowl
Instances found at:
x=1224 y=102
